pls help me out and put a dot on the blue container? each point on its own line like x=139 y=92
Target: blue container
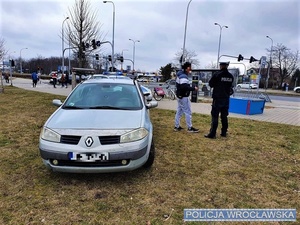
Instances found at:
x=246 y=106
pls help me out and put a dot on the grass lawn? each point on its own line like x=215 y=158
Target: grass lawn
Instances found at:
x=257 y=166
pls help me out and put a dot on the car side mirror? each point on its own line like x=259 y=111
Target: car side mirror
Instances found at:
x=148 y=98
x=151 y=104
x=57 y=102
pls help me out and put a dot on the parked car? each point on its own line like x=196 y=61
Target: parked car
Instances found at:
x=297 y=89
x=119 y=77
x=79 y=78
x=51 y=73
x=97 y=76
x=102 y=126
x=142 y=80
x=246 y=85
x=58 y=78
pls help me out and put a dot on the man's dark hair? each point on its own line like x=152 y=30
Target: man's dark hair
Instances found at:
x=186 y=65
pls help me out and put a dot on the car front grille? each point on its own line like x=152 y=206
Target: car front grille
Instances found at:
x=109 y=140
x=104 y=140
x=70 y=139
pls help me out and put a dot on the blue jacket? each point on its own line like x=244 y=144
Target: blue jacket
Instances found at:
x=183 y=87
x=34 y=76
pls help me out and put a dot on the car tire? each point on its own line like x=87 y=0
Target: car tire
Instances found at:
x=151 y=157
x=298 y=91
x=157 y=97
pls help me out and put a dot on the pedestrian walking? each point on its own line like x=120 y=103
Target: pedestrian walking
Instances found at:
x=6 y=77
x=34 y=78
x=66 y=79
x=62 y=80
x=39 y=77
x=283 y=86
x=221 y=82
x=183 y=89
x=54 y=79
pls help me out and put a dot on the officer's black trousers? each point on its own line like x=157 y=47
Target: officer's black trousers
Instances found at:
x=219 y=106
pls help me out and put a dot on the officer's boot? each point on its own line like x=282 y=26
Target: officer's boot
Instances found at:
x=223 y=132
x=212 y=132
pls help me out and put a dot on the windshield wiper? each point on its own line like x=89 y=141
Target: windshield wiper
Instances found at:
x=72 y=107
x=105 y=107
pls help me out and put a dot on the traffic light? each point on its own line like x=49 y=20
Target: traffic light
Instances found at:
x=240 y=58
x=122 y=59
x=109 y=58
x=97 y=56
x=12 y=63
x=83 y=46
x=94 y=44
x=252 y=59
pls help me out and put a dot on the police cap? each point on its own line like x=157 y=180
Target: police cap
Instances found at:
x=224 y=63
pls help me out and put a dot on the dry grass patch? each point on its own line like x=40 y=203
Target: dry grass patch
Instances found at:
x=257 y=166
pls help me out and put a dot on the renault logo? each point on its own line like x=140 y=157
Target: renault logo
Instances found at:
x=89 y=141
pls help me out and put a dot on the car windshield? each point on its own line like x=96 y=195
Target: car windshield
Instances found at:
x=104 y=96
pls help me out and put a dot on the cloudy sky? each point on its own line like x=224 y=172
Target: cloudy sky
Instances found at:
x=160 y=28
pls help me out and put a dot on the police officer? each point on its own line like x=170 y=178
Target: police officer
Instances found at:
x=221 y=82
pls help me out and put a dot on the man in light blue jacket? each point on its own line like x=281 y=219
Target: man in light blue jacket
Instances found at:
x=183 y=89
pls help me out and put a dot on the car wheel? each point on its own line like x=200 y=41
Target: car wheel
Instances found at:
x=151 y=157
x=298 y=91
x=157 y=97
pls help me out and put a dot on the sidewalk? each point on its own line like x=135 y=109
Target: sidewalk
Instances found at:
x=284 y=112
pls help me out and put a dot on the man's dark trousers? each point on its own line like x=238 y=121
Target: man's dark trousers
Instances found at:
x=220 y=105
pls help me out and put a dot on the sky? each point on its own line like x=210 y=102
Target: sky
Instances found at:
x=160 y=26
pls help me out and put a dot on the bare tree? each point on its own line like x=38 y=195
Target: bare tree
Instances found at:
x=212 y=65
x=82 y=29
x=190 y=56
x=285 y=60
x=3 y=52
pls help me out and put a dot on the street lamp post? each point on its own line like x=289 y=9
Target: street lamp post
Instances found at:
x=62 y=44
x=21 y=60
x=221 y=27
x=133 y=57
x=270 y=64
x=184 y=38
x=113 y=36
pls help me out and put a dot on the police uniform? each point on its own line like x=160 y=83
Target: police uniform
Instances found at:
x=221 y=82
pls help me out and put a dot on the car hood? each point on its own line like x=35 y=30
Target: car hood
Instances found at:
x=95 y=119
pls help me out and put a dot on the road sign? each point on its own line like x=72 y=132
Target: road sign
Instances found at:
x=263 y=60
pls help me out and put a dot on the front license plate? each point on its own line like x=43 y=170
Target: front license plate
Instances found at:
x=88 y=157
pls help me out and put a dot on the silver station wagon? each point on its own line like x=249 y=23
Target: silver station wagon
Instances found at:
x=103 y=126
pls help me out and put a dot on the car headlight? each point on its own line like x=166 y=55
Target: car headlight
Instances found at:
x=49 y=135
x=134 y=135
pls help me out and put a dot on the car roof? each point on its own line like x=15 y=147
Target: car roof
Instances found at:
x=110 y=81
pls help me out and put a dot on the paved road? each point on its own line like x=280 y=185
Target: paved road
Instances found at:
x=277 y=111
